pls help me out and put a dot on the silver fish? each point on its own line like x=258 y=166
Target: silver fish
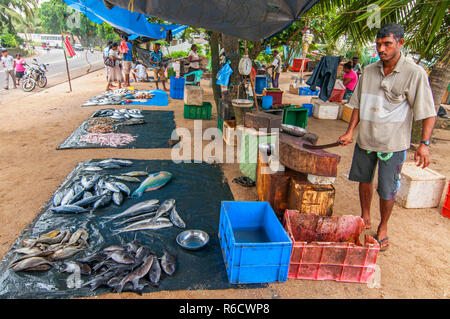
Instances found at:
x=87 y=194
x=65 y=252
x=112 y=187
x=135 y=173
x=124 y=188
x=102 y=202
x=32 y=263
x=151 y=225
x=131 y=219
x=129 y=179
x=57 y=198
x=87 y=201
x=93 y=168
x=112 y=248
x=165 y=207
x=117 y=198
x=142 y=207
x=168 y=263
x=68 y=209
x=67 y=197
x=176 y=219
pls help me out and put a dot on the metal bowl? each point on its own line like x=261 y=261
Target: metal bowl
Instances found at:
x=192 y=239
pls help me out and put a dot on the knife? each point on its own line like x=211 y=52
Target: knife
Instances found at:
x=310 y=146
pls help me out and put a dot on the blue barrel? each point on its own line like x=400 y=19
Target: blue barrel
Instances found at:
x=267 y=101
x=309 y=107
x=260 y=83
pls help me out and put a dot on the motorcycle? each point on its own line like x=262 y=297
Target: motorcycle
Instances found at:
x=34 y=74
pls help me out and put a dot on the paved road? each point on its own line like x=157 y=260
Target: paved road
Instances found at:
x=78 y=65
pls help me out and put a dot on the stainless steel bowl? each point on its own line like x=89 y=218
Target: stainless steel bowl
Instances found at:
x=192 y=239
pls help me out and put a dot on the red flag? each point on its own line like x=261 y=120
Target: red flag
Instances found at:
x=68 y=47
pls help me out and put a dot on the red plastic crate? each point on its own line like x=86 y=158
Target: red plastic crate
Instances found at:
x=297 y=65
x=337 y=260
x=277 y=96
x=337 y=95
x=446 y=208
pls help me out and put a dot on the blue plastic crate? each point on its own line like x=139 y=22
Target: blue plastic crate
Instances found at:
x=309 y=107
x=177 y=87
x=255 y=247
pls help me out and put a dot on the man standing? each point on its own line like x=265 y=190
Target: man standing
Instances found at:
x=8 y=64
x=356 y=66
x=276 y=66
x=156 y=60
x=390 y=93
x=127 y=60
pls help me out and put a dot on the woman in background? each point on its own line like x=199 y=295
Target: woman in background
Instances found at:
x=115 y=73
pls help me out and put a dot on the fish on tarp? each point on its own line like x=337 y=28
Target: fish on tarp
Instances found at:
x=168 y=263
x=142 y=207
x=67 y=197
x=117 y=198
x=123 y=188
x=68 y=209
x=135 y=173
x=165 y=207
x=112 y=187
x=176 y=219
x=133 y=121
x=88 y=200
x=129 y=179
x=152 y=182
x=57 y=198
x=116 y=161
x=135 y=218
x=154 y=273
x=31 y=264
x=151 y=225
x=102 y=202
x=136 y=274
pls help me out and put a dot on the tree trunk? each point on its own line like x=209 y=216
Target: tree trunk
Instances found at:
x=255 y=50
x=215 y=64
x=439 y=79
x=231 y=47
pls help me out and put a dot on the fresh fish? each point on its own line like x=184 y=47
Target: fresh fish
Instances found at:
x=112 y=187
x=129 y=179
x=135 y=218
x=80 y=233
x=136 y=274
x=168 y=263
x=117 y=198
x=90 y=183
x=68 y=209
x=93 y=168
x=73 y=266
x=77 y=188
x=152 y=225
x=28 y=250
x=32 y=263
x=137 y=116
x=135 y=173
x=65 y=252
x=87 y=201
x=152 y=182
x=57 y=198
x=112 y=248
x=66 y=237
x=52 y=240
x=67 y=197
x=95 y=258
x=121 y=257
x=176 y=219
x=165 y=207
x=124 y=188
x=132 y=121
x=98 y=281
x=102 y=202
x=87 y=195
x=133 y=246
x=148 y=220
x=142 y=207
x=155 y=272
x=76 y=196
x=109 y=165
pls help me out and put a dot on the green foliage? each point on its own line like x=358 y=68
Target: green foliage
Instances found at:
x=52 y=15
x=178 y=54
x=8 y=40
x=13 y=12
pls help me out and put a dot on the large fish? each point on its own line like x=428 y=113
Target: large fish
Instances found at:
x=88 y=200
x=176 y=219
x=135 y=173
x=136 y=274
x=69 y=209
x=129 y=179
x=151 y=225
x=135 y=218
x=165 y=207
x=152 y=182
x=142 y=207
x=31 y=264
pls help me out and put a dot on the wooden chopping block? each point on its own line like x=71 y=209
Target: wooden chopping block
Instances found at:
x=309 y=161
x=262 y=120
x=310 y=198
x=273 y=187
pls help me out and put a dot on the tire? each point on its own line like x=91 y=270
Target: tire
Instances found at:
x=28 y=84
x=42 y=82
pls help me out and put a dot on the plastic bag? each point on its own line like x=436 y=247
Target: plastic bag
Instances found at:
x=223 y=76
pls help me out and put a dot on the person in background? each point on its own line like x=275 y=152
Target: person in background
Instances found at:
x=156 y=61
x=20 y=69
x=8 y=64
x=127 y=60
x=350 y=79
x=139 y=72
x=194 y=62
x=115 y=73
x=356 y=66
x=105 y=56
x=389 y=95
x=276 y=66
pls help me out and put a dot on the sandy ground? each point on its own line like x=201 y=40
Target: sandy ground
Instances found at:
x=415 y=266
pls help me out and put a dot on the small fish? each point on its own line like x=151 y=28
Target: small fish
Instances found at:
x=109 y=165
x=93 y=168
x=95 y=258
x=87 y=201
x=124 y=188
x=112 y=248
x=80 y=233
x=117 y=198
x=136 y=274
x=129 y=179
x=152 y=182
x=65 y=252
x=165 y=207
x=155 y=272
x=57 y=198
x=87 y=195
x=168 y=263
x=135 y=173
x=152 y=225
x=69 y=209
x=102 y=202
x=135 y=218
x=67 y=197
x=112 y=187
x=32 y=263
x=121 y=257
x=176 y=219
x=142 y=207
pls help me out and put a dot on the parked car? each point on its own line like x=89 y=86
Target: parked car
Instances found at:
x=78 y=47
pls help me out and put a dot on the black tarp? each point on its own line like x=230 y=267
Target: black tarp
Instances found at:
x=198 y=189
x=252 y=20
x=155 y=133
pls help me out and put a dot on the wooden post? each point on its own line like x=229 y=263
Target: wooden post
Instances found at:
x=67 y=69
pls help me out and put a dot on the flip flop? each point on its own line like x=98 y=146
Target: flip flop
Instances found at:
x=385 y=241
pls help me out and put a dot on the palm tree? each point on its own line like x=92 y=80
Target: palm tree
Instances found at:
x=16 y=11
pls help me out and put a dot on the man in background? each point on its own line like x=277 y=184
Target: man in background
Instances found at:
x=156 y=61
x=276 y=66
x=356 y=66
x=8 y=64
x=126 y=49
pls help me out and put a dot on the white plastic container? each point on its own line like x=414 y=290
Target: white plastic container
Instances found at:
x=193 y=95
x=420 y=188
x=326 y=110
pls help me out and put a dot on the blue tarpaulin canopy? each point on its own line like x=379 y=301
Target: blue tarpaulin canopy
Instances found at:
x=252 y=20
x=132 y=23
